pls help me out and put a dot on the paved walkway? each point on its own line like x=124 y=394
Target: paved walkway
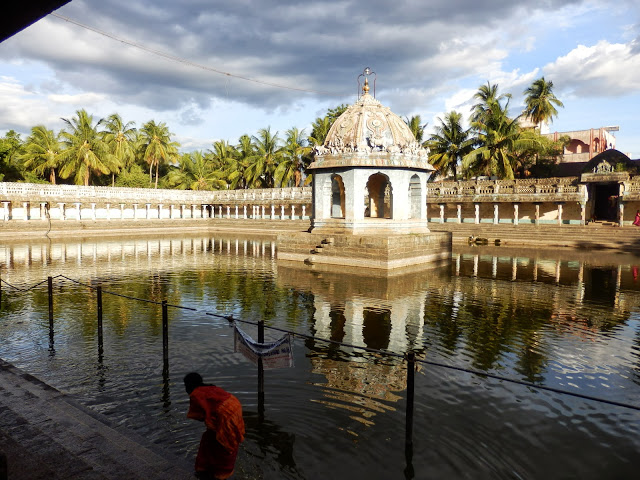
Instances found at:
x=44 y=434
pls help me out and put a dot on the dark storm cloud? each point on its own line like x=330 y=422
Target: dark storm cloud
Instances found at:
x=310 y=45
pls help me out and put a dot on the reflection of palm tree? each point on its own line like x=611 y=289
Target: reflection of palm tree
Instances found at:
x=42 y=152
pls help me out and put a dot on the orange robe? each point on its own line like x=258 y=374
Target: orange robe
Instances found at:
x=222 y=414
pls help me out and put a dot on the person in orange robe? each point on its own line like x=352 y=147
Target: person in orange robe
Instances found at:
x=221 y=413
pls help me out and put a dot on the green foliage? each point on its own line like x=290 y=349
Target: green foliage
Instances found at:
x=134 y=177
x=541 y=102
x=10 y=149
x=112 y=151
x=448 y=145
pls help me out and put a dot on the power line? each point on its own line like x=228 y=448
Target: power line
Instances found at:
x=189 y=62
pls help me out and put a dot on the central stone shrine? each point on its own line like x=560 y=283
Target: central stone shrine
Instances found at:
x=369 y=196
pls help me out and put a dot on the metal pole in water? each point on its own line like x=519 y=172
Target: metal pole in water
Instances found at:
x=165 y=331
x=260 y=374
x=50 y=292
x=100 y=337
x=408 y=450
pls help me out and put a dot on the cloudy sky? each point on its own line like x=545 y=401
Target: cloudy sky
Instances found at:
x=226 y=68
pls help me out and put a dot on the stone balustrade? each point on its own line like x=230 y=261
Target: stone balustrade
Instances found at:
x=539 y=201
x=28 y=201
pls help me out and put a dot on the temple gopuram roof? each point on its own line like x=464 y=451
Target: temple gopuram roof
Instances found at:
x=369 y=134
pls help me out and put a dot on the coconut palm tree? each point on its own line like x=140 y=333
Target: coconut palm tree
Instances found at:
x=86 y=153
x=489 y=101
x=120 y=138
x=236 y=169
x=417 y=128
x=157 y=146
x=540 y=102
x=196 y=172
x=319 y=130
x=449 y=144
x=42 y=152
x=268 y=154
x=498 y=140
x=296 y=156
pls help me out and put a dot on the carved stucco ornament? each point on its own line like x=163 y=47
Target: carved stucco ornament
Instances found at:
x=368 y=133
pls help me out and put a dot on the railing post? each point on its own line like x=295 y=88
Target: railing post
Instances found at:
x=408 y=450
x=50 y=291
x=100 y=336
x=260 y=374
x=165 y=331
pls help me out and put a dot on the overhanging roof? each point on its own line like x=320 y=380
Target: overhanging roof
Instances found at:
x=17 y=16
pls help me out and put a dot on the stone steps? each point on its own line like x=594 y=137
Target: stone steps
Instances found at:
x=45 y=434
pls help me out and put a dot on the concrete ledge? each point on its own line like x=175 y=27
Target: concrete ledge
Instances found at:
x=46 y=434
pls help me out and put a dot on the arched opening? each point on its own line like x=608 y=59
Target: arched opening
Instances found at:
x=380 y=197
x=337 y=197
x=415 y=194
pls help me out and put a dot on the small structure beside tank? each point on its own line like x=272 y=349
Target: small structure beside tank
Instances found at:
x=369 y=195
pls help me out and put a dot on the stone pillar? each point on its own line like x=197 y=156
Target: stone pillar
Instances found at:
x=147 y=207
x=537 y=220
x=25 y=207
x=108 y=209
x=160 y=211
x=515 y=213
x=220 y=211
x=244 y=212
x=476 y=207
x=79 y=210
x=172 y=208
x=281 y=212
x=459 y=213
x=193 y=211
x=202 y=210
x=496 y=217
x=43 y=210
x=293 y=212
x=236 y=212
x=560 y=214
x=122 y=211
x=583 y=214
x=273 y=211
x=93 y=211
x=620 y=214
x=5 y=211
x=304 y=213
x=63 y=213
x=442 y=213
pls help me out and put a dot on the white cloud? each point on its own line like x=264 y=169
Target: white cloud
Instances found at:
x=603 y=70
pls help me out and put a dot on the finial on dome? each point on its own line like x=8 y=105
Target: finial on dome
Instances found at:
x=365 y=89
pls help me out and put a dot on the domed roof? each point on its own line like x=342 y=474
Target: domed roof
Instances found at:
x=370 y=134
